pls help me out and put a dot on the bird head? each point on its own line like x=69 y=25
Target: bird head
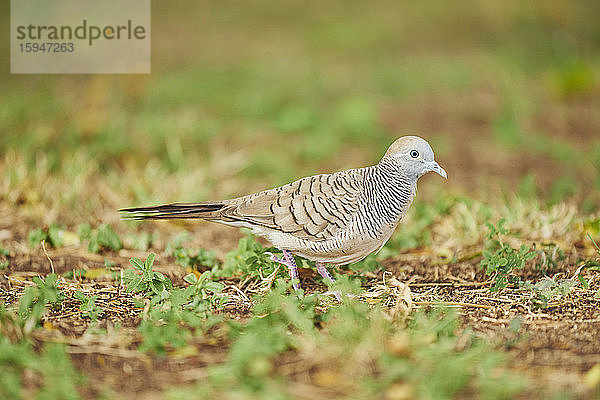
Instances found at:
x=415 y=156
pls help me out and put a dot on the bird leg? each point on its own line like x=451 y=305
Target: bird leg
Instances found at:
x=322 y=270
x=324 y=273
x=288 y=261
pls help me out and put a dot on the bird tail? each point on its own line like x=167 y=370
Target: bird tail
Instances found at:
x=206 y=210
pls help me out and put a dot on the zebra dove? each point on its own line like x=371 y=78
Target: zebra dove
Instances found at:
x=337 y=218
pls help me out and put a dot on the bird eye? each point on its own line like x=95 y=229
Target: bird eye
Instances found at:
x=414 y=153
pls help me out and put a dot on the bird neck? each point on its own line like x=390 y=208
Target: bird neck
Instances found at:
x=392 y=191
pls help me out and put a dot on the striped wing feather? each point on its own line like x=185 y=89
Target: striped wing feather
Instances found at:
x=313 y=208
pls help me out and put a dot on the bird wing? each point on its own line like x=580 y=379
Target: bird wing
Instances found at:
x=314 y=208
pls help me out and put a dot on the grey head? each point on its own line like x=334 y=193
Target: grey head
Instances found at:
x=414 y=156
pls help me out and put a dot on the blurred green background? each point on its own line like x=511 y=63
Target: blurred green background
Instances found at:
x=247 y=95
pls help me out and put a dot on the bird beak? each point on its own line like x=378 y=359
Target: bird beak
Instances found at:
x=435 y=167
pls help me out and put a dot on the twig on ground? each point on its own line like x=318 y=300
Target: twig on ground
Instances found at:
x=450 y=304
x=47 y=256
x=451 y=284
x=242 y=294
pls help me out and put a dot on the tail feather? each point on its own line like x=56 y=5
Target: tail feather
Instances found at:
x=174 y=211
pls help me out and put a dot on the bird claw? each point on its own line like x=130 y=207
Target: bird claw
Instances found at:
x=289 y=262
x=274 y=258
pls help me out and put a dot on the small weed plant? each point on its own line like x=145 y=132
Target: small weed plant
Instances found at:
x=548 y=289
x=88 y=305
x=206 y=294
x=548 y=257
x=500 y=259
x=52 y=235
x=188 y=259
x=174 y=313
x=102 y=238
x=32 y=305
x=142 y=279
x=249 y=259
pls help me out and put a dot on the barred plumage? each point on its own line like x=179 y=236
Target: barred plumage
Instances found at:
x=336 y=218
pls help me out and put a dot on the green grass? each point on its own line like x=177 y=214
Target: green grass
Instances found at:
x=400 y=356
x=51 y=367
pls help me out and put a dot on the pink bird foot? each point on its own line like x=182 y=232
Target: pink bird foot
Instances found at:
x=322 y=270
x=288 y=261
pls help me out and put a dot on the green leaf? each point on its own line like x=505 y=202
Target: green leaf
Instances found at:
x=583 y=281
x=190 y=278
x=159 y=276
x=93 y=245
x=252 y=259
x=55 y=236
x=148 y=275
x=137 y=263
x=138 y=303
x=594 y=242
x=108 y=238
x=35 y=236
x=150 y=260
x=215 y=287
x=84 y=231
x=51 y=279
x=204 y=277
x=132 y=281
x=157 y=286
